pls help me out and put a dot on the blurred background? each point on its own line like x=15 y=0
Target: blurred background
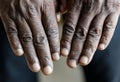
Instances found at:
x=62 y=73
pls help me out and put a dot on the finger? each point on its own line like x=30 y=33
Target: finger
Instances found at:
x=12 y=34
x=79 y=37
x=92 y=40
x=40 y=41
x=51 y=29
x=27 y=43
x=109 y=28
x=42 y=47
x=71 y=20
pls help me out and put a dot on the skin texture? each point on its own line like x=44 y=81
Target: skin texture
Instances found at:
x=32 y=30
x=89 y=24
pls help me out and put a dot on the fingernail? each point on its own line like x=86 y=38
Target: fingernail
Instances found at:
x=64 y=52
x=36 y=67
x=48 y=70
x=102 y=46
x=55 y=56
x=19 y=52
x=72 y=63
x=84 y=60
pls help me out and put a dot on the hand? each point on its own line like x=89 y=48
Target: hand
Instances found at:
x=89 y=24
x=63 y=5
x=32 y=29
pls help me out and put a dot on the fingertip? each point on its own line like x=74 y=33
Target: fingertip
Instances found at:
x=101 y=46
x=35 y=67
x=19 y=52
x=84 y=60
x=55 y=56
x=72 y=63
x=47 y=70
x=64 y=52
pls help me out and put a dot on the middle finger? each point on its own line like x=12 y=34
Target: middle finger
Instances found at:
x=80 y=35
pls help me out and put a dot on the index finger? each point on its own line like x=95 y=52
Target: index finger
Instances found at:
x=51 y=29
x=70 y=24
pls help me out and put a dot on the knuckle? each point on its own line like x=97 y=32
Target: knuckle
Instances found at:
x=32 y=11
x=104 y=38
x=11 y=31
x=92 y=5
x=116 y=5
x=81 y=33
x=28 y=9
x=26 y=38
x=67 y=33
x=109 y=26
x=10 y=28
x=52 y=33
x=112 y=6
x=68 y=29
x=39 y=40
x=47 y=4
x=95 y=32
x=89 y=4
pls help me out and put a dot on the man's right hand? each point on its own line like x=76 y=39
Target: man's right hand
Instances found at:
x=32 y=30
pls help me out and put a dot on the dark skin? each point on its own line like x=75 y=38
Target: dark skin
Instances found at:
x=32 y=30
x=89 y=24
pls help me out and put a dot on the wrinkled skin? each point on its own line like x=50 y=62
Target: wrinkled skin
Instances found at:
x=89 y=24
x=32 y=30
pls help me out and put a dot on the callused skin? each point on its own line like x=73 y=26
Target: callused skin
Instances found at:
x=32 y=30
x=89 y=24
